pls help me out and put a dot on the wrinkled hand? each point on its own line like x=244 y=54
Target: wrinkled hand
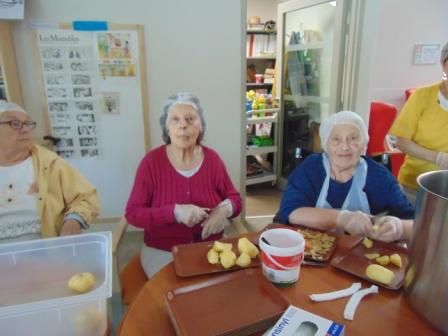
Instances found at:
x=189 y=214
x=389 y=229
x=442 y=160
x=70 y=227
x=354 y=222
x=216 y=222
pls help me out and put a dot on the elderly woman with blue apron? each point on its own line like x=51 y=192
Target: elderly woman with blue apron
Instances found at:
x=342 y=190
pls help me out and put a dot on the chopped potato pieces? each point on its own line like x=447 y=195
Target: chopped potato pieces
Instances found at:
x=243 y=260
x=227 y=258
x=371 y=256
x=367 y=243
x=220 y=247
x=246 y=246
x=213 y=257
x=396 y=260
x=317 y=244
x=380 y=274
x=383 y=260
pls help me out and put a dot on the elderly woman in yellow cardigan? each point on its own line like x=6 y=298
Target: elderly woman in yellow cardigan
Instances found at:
x=41 y=195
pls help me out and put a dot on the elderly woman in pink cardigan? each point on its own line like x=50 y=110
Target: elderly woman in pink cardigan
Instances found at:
x=182 y=192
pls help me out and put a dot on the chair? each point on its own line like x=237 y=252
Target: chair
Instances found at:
x=382 y=116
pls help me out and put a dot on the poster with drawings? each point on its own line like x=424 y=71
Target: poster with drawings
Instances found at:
x=68 y=64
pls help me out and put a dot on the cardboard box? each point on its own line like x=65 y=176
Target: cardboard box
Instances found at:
x=298 y=322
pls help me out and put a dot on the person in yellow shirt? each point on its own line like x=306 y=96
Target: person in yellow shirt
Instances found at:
x=421 y=129
x=41 y=195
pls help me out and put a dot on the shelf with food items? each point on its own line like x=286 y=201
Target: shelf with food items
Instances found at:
x=256 y=100
x=262 y=116
x=257 y=150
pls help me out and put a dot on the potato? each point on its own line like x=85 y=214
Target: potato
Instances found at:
x=371 y=256
x=220 y=247
x=396 y=260
x=227 y=258
x=367 y=242
x=380 y=274
x=246 y=246
x=212 y=257
x=82 y=282
x=383 y=260
x=243 y=260
x=375 y=228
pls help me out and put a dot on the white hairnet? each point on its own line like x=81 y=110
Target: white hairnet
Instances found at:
x=5 y=106
x=444 y=53
x=343 y=117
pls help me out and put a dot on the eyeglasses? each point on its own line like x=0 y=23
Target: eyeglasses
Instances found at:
x=18 y=125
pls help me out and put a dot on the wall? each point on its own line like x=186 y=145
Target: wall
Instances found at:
x=391 y=28
x=190 y=46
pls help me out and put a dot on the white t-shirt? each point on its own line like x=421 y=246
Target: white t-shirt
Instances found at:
x=19 y=214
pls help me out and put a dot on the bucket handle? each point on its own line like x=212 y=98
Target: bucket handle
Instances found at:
x=276 y=263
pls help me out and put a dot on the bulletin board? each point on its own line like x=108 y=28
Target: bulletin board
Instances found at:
x=94 y=84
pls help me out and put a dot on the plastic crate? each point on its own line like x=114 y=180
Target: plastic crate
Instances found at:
x=35 y=298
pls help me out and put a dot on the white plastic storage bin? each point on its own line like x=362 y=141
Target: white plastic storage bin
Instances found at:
x=34 y=296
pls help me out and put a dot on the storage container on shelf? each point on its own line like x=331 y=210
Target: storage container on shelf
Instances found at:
x=35 y=298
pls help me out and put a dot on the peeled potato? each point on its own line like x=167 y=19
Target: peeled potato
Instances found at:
x=396 y=260
x=383 y=260
x=380 y=274
x=82 y=282
x=375 y=228
x=246 y=246
x=220 y=247
x=227 y=258
x=367 y=242
x=212 y=256
x=371 y=256
x=243 y=260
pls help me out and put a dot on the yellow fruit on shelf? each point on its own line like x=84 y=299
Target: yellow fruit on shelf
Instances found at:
x=82 y=282
x=380 y=274
x=243 y=260
x=212 y=257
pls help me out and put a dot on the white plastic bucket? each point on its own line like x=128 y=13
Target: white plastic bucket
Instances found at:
x=282 y=257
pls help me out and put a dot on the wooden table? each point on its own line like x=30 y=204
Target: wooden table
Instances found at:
x=386 y=313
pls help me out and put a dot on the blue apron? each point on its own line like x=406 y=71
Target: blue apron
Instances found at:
x=356 y=198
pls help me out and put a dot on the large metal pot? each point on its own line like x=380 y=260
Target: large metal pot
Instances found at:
x=426 y=281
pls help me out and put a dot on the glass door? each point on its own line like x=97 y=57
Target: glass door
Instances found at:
x=311 y=75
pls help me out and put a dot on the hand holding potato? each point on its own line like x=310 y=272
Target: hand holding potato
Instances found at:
x=215 y=223
x=390 y=229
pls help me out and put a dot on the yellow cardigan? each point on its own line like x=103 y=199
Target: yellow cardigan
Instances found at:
x=62 y=190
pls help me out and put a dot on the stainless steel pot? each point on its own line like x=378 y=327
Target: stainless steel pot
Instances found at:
x=426 y=280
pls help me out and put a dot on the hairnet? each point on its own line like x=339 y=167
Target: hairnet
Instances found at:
x=177 y=99
x=5 y=107
x=343 y=117
x=444 y=53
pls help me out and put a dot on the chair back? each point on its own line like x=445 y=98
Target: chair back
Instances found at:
x=382 y=115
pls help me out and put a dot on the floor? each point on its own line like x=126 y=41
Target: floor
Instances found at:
x=262 y=203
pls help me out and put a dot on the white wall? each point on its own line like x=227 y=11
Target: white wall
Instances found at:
x=391 y=28
x=265 y=9
x=195 y=46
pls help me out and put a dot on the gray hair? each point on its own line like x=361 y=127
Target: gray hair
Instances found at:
x=10 y=107
x=176 y=99
x=343 y=117
x=444 y=53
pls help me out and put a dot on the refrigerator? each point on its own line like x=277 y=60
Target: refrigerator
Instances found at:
x=313 y=67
